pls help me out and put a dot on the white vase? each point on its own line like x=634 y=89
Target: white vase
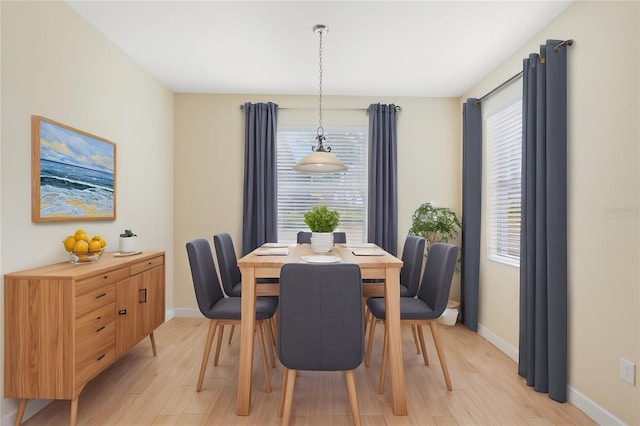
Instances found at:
x=128 y=244
x=322 y=242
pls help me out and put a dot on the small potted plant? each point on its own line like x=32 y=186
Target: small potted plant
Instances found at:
x=128 y=241
x=322 y=222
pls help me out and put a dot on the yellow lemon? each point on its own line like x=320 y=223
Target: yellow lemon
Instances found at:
x=95 y=246
x=83 y=258
x=69 y=243
x=81 y=235
x=103 y=243
x=81 y=247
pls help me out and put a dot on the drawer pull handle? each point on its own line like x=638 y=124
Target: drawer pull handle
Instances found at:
x=100 y=357
x=101 y=295
x=122 y=312
x=105 y=277
x=100 y=329
x=98 y=318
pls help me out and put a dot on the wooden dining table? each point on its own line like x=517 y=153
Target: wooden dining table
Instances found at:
x=385 y=267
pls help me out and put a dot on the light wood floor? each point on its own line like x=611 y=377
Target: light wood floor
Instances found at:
x=142 y=390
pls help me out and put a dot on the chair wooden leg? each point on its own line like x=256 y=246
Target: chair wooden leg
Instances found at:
x=353 y=399
x=372 y=331
x=271 y=322
x=217 y=356
x=366 y=315
x=443 y=363
x=383 y=362
x=283 y=390
x=270 y=338
x=288 y=398
x=415 y=337
x=265 y=366
x=207 y=350
x=422 y=345
x=233 y=327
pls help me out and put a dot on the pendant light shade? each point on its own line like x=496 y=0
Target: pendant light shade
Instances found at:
x=321 y=160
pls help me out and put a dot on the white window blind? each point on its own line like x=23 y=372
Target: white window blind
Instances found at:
x=345 y=192
x=504 y=146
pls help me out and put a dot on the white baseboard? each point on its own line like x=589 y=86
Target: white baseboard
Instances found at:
x=187 y=313
x=586 y=405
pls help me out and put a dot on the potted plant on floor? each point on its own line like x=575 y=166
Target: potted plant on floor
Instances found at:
x=435 y=224
x=322 y=222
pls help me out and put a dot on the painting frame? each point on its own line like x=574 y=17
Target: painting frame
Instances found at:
x=73 y=174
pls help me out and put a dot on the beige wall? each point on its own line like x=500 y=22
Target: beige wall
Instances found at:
x=603 y=202
x=56 y=65
x=209 y=140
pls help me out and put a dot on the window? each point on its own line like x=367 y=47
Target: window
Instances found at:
x=504 y=149
x=345 y=192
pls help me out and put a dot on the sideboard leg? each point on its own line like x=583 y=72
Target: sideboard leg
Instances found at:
x=21 y=407
x=153 y=344
x=74 y=412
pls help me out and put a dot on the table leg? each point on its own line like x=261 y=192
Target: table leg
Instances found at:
x=392 y=322
x=247 y=328
x=73 y=418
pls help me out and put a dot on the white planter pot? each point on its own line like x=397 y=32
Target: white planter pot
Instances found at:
x=322 y=242
x=128 y=244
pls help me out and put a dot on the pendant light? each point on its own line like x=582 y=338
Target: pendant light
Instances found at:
x=321 y=160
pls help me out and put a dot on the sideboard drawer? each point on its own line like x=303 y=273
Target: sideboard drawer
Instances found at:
x=96 y=298
x=136 y=268
x=90 y=284
x=101 y=321
x=88 y=367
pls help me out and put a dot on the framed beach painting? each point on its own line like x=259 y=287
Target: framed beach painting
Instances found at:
x=73 y=174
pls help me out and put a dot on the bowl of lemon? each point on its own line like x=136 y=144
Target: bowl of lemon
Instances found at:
x=82 y=248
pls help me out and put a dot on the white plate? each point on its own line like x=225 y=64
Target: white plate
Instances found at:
x=363 y=245
x=369 y=252
x=275 y=245
x=131 y=253
x=320 y=259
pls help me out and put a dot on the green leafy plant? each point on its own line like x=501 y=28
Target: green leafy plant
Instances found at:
x=128 y=233
x=321 y=219
x=435 y=224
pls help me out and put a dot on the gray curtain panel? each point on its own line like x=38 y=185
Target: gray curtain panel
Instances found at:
x=471 y=210
x=383 y=177
x=259 y=208
x=543 y=240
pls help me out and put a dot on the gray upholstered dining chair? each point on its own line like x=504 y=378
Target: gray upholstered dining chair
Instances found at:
x=232 y=278
x=410 y=274
x=320 y=326
x=431 y=302
x=222 y=310
x=304 y=237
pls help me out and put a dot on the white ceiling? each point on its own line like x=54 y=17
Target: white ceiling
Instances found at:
x=373 y=48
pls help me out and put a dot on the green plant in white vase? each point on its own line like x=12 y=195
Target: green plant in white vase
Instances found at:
x=322 y=222
x=128 y=241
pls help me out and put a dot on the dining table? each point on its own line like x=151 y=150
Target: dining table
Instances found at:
x=375 y=265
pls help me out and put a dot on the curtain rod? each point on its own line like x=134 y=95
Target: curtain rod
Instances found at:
x=517 y=76
x=398 y=108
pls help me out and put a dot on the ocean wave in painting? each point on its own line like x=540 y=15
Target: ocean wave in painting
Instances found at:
x=71 y=191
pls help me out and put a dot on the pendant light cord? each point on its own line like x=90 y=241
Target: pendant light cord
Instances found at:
x=320 y=131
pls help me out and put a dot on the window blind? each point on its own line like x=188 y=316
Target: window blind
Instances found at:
x=504 y=145
x=345 y=192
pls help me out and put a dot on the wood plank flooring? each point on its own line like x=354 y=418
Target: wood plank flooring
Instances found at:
x=142 y=390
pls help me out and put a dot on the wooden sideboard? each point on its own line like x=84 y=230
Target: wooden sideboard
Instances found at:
x=65 y=323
